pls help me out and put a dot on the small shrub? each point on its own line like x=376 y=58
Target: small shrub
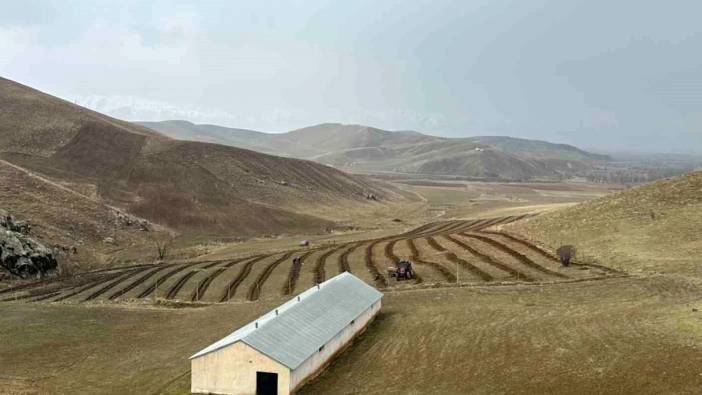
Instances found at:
x=566 y=254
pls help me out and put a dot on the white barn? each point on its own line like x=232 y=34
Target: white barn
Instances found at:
x=283 y=349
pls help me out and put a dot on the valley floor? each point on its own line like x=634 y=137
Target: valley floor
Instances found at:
x=620 y=335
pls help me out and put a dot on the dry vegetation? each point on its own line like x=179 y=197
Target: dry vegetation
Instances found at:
x=647 y=229
x=616 y=336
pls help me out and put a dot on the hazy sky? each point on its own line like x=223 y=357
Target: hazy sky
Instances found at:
x=603 y=74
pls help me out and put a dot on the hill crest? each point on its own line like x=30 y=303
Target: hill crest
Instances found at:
x=360 y=148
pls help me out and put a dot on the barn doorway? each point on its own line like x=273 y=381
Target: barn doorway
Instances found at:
x=266 y=383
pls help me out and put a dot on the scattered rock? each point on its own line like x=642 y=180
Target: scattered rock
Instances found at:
x=20 y=254
x=108 y=240
x=695 y=310
x=123 y=220
x=371 y=196
x=7 y=221
x=304 y=243
x=396 y=220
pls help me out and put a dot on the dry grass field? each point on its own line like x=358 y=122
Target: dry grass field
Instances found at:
x=621 y=335
x=653 y=228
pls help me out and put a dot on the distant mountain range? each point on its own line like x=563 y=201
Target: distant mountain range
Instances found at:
x=365 y=149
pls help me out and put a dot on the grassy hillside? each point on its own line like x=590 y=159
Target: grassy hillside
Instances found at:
x=652 y=228
x=361 y=148
x=188 y=187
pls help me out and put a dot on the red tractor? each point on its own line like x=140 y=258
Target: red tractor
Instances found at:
x=402 y=270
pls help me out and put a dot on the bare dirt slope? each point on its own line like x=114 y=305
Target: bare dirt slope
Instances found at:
x=361 y=148
x=186 y=186
x=651 y=228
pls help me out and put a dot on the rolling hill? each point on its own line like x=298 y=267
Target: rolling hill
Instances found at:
x=364 y=149
x=653 y=228
x=72 y=171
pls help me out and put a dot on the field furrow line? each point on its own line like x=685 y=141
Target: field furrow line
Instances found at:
x=46 y=296
x=231 y=288
x=526 y=244
x=439 y=268
x=420 y=229
x=455 y=259
x=344 y=265
x=490 y=260
x=111 y=284
x=138 y=281
x=153 y=287
x=517 y=255
x=255 y=289
x=551 y=256
x=202 y=287
x=320 y=273
x=173 y=291
x=378 y=277
x=434 y=244
x=294 y=274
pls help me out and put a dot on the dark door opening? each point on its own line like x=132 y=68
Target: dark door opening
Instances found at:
x=266 y=383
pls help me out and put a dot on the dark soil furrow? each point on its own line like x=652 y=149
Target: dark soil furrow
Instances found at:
x=255 y=289
x=294 y=274
x=517 y=255
x=457 y=226
x=420 y=229
x=487 y=223
x=344 y=265
x=463 y=226
x=138 y=281
x=378 y=277
x=111 y=284
x=527 y=244
x=202 y=287
x=230 y=289
x=439 y=268
x=152 y=288
x=490 y=260
x=320 y=273
x=77 y=290
x=455 y=259
x=442 y=228
x=45 y=296
x=29 y=296
x=389 y=251
x=551 y=256
x=469 y=266
x=433 y=243
x=173 y=291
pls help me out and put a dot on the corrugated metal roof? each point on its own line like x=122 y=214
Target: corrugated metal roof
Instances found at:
x=297 y=329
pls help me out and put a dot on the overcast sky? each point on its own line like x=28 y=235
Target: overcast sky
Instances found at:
x=599 y=74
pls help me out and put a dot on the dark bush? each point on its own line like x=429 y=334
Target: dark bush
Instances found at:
x=566 y=254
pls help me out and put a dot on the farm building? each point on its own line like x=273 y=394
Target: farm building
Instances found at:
x=283 y=349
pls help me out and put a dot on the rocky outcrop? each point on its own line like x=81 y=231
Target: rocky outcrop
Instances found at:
x=20 y=254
